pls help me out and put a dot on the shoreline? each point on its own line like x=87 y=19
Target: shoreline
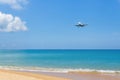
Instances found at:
x=38 y=75
x=17 y=75
x=59 y=70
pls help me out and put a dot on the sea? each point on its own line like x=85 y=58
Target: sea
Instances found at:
x=61 y=60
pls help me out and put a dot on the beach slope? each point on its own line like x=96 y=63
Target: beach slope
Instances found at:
x=14 y=75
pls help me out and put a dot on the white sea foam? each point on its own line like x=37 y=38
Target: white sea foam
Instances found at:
x=59 y=70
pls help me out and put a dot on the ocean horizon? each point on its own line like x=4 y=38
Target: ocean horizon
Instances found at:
x=103 y=60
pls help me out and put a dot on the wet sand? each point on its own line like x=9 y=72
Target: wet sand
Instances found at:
x=83 y=75
x=39 y=75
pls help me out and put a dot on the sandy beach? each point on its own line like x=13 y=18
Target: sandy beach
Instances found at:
x=15 y=75
x=84 y=75
x=31 y=75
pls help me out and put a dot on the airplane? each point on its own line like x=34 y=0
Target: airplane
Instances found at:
x=80 y=24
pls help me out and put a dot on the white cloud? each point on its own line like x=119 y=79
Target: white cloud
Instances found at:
x=14 y=4
x=10 y=23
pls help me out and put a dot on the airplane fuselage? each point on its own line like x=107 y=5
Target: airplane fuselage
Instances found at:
x=80 y=25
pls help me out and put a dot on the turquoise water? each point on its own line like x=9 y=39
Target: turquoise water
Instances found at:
x=73 y=59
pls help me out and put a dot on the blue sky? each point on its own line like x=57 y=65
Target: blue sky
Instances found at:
x=50 y=24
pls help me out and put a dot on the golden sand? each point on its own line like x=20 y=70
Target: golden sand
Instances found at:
x=17 y=75
x=14 y=75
